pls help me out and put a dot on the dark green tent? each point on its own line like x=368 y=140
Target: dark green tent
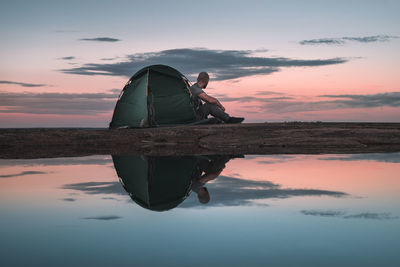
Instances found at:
x=156 y=95
x=156 y=183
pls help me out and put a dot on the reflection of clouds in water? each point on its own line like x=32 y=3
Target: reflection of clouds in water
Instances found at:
x=378 y=157
x=280 y=156
x=24 y=173
x=224 y=191
x=323 y=213
x=342 y=214
x=270 y=159
x=228 y=191
x=97 y=188
x=372 y=215
x=237 y=183
x=91 y=160
x=103 y=218
x=235 y=175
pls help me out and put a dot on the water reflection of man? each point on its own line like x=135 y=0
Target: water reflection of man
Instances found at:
x=209 y=168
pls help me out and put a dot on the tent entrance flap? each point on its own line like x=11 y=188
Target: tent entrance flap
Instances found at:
x=131 y=109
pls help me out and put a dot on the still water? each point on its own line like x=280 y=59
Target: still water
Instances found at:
x=253 y=210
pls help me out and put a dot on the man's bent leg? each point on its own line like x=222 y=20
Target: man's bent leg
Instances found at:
x=217 y=112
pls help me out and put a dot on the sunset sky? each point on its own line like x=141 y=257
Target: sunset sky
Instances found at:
x=63 y=63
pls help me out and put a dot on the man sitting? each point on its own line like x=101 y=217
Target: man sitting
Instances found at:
x=211 y=105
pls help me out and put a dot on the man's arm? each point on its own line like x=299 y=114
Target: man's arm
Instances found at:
x=211 y=100
x=209 y=176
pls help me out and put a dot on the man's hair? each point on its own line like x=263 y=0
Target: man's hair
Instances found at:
x=203 y=195
x=203 y=76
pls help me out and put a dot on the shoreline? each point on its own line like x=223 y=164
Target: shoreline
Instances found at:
x=235 y=139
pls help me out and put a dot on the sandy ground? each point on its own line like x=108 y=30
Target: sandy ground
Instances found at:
x=247 y=138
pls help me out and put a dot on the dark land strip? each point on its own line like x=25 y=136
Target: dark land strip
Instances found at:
x=247 y=138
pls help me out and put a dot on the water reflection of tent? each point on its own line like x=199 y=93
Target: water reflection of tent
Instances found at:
x=156 y=183
x=155 y=95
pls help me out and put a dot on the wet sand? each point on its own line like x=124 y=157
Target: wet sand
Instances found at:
x=246 y=138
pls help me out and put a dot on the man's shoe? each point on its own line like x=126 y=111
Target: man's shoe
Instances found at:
x=235 y=120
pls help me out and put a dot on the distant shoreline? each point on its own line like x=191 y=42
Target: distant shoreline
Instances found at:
x=246 y=138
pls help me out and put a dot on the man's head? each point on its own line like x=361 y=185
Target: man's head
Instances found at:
x=202 y=79
x=203 y=195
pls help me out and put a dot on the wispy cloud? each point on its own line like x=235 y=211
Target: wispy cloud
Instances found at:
x=103 y=218
x=110 y=198
x=24 y=173
x=342 y=214
x=109 y=58
x=343 y=40
x=222 y=64
x=366 y=101
x=67 y=58
x=329 y=41
x=57 y=103
x=69 y=199
x=115 y=91
x=286 y=104
x=272 y=102
x=65 y=31
x=245 y=99
x=100 y=39
x=268 y=93
x=24 y=84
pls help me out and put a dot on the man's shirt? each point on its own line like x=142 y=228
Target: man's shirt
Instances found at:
x=196 y=90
